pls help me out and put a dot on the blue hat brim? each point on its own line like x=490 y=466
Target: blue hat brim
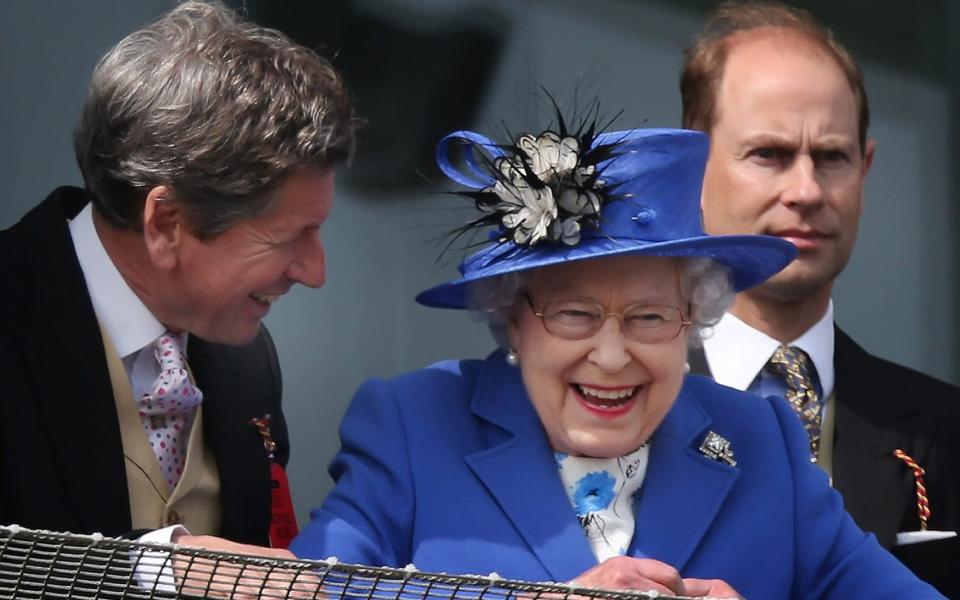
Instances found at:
x=751 y=259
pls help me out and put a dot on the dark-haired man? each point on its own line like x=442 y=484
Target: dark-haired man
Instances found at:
x=134 y=362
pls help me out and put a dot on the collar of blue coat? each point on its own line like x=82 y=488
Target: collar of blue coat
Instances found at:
x=681 y=497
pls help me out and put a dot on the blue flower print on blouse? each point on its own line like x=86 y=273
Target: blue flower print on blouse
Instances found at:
x=593 y=492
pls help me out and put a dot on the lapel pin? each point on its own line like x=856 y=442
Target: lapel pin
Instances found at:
x=283 y=520
x=717 y=447
x=262 y=425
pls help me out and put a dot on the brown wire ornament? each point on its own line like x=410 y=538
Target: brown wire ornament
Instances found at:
x=923 y=503
x=262 y=425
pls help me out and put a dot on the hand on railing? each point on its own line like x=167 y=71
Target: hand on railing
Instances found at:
x=219 y=578
x=646 y=575
x=36 y=565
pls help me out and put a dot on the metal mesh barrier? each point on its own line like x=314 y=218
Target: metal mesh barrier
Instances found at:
x=42 y=564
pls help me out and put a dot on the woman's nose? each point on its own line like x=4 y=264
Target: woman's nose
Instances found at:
x=609 y=350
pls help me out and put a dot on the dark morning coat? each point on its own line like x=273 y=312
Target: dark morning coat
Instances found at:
x=61 y=458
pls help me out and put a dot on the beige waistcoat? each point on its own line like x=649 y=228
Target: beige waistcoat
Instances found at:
x=195 y=501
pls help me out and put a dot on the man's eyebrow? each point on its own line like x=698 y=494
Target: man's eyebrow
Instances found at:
x=767 y=139
x=835 y=141
x=758 y=140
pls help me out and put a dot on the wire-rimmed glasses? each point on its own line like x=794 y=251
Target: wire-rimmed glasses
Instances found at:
x=580 y=318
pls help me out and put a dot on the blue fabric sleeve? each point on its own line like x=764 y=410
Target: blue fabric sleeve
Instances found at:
x=355 y=523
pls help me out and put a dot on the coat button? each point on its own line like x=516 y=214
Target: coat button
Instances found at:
x=646 y=216
x=172 y=518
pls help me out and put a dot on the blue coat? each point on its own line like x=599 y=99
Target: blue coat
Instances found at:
x=449 y=468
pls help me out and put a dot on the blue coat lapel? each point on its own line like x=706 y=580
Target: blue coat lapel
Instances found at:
x=521 y=475
x=681 y=495
x=683 y=490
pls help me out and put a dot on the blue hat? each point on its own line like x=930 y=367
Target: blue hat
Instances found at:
x=560 y=198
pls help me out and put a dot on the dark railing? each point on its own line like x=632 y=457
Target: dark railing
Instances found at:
x=41 y=565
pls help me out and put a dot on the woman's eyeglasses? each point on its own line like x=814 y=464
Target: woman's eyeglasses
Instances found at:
x=579 y=319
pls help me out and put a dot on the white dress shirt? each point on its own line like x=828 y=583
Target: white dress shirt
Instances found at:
x=737 y=353
x=128 y=322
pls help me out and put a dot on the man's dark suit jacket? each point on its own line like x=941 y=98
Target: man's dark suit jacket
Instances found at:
x=881 y=406
x=61 y=457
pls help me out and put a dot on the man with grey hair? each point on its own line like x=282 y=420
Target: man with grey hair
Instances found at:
x=786 y=108
x=140 y=388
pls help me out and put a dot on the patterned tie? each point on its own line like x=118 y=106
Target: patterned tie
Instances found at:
x=793 y=366
x=167 y=411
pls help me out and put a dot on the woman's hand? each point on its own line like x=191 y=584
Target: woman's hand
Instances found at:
x=639 y=574
x=646 y=574
x=714 y=588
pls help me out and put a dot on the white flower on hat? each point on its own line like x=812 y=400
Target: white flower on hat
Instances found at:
x=549 y=156
x=566 y=230
x=543 y=177
x=527 y=211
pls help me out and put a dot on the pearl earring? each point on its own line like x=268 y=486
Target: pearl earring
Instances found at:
x=686 y=367
x=513 y=359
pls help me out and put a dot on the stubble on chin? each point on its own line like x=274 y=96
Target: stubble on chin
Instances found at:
x=803 y=290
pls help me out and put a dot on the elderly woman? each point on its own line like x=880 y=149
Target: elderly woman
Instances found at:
x=581 y=441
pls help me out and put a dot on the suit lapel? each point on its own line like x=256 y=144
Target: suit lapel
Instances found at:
x=71 y=374
x=876 y=487
x=231 y=398
x=683 y=490
x=521 y=475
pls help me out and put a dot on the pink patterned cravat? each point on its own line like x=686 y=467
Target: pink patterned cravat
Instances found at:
x=167 y=410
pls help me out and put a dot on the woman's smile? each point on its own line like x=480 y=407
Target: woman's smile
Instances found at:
x=607 y=402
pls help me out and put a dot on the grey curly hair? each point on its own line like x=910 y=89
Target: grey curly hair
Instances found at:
x=219 y=109
x=704 y=283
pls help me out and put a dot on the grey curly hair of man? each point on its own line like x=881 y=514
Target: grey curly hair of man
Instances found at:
x=219 y=109
x=704 y=283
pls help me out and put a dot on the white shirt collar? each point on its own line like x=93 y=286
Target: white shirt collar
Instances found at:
x=129 y=323
x=736 y=352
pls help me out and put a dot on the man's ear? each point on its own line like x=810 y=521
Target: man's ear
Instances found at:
x=164 y=226
x=868 y=152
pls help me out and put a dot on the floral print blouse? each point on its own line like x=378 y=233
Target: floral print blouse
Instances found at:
x=602 y=492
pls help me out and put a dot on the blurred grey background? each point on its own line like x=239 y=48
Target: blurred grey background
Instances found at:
x=419 y=68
